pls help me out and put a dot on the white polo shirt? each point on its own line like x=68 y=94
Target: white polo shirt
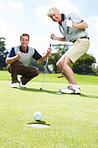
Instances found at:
x=74 y=33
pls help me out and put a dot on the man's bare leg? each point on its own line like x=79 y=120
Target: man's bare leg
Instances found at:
x=73 y=88
x=67 y=71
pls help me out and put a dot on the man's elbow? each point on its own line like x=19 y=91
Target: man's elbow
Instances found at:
x=86 y=26
x=6 y=61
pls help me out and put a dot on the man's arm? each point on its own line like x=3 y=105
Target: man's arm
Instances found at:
x=81 y=25
x=46 y=55
x=10 y=60
x=53 y=37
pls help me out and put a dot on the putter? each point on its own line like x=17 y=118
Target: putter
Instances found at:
x=64 y=52
x=45 y=70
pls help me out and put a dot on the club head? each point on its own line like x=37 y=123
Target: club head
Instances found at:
x=60 y=76
x=41 y=89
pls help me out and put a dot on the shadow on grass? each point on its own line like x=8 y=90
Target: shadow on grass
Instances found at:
x=40 y=122
x=89 y=96
x=55 y=92
x=38 y=90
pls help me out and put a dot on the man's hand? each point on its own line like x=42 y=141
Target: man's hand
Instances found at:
x=69 y=23
x=53 y=37
x=19 y=55
x=49 y=50
x=47 y=54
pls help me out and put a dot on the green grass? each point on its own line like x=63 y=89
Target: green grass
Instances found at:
x=72 y=118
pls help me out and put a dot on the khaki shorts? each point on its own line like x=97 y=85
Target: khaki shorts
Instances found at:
x=78 y=49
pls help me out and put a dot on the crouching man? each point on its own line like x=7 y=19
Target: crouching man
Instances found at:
x=18 y=60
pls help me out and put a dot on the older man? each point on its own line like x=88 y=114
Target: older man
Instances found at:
x=73 y=28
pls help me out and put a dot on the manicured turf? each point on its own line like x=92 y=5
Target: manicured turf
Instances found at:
x=73 y=119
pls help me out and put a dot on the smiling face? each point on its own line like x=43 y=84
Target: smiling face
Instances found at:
x=56 y=17
x=24 y=41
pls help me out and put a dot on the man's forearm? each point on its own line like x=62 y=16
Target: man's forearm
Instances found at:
x=61 y=39
x=44 y=57
x=10 y=60
x=81 y=25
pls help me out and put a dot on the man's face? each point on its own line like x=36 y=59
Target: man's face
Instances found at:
x=24 y=41
x=56 y=17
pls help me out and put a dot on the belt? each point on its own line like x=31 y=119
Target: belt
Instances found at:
x=84 y=37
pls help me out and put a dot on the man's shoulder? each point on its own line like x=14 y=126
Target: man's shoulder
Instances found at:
x=74 y=17
x=16 y=47
x=71 y=13
x=31 y=47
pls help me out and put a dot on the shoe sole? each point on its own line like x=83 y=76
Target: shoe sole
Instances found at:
x=22 y=87
x=71 y=93
x=13 y=87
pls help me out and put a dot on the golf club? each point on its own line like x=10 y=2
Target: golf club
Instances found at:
x=45 y=70
x=64 y=52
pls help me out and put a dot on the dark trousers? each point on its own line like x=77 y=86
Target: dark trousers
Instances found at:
x=27 y=72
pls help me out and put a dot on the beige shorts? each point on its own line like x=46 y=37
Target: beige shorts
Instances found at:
x=78 y=49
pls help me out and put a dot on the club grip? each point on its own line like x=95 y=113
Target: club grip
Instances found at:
x=49 y=47
x=68 y=27
x=67 y=30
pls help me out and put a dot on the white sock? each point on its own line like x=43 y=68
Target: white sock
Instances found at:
x=74 y=86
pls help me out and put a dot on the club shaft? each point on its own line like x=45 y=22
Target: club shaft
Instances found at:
x=45 y=68
x=45 y=71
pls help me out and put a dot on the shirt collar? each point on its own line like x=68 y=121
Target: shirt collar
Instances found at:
x=63 y=16
x=23 y=51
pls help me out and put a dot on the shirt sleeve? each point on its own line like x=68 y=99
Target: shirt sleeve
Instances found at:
x=75 y=18
x=36 y=55
x=12 y=52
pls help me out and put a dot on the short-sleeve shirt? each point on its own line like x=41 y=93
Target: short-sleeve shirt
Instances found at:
x=26 y=56
x=74 y=33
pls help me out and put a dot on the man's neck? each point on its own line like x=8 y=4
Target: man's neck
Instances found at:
x=23 y=49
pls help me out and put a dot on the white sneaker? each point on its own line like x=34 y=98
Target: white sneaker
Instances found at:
x=20 y=83
x=70 y=90
x=14 y=85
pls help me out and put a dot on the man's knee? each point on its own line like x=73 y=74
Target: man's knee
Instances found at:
x=35 y=71
x=64 y=61
x=12 y=66
x=59 y=64
x=9 y=68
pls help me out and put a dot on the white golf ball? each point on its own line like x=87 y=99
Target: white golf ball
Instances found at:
x=37 y=116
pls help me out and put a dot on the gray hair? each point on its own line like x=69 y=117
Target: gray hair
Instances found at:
x=52 y=10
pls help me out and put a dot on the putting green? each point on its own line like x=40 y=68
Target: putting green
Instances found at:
x=72 y=119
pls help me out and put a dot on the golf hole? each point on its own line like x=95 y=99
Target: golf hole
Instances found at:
x=38 y=124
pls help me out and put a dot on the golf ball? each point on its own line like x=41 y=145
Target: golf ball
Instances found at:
x=37 y=116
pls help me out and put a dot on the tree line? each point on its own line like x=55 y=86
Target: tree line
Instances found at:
x=84 y=65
